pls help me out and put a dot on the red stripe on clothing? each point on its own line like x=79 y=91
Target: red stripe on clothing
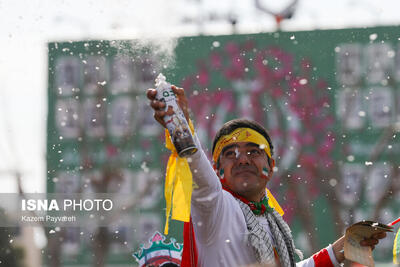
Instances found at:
x=189 y=254
x=322 y=259
x=236 y=195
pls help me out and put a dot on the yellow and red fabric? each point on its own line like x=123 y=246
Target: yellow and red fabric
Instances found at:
x=241 y=135
x=396 y=248
x=178 y=185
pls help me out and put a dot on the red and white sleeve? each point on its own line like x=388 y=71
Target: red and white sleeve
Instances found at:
x=323 y=258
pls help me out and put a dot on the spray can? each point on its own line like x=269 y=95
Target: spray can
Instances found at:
x=175 y=119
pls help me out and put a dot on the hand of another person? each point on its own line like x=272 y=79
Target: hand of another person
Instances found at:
x=367 y=242
x=159 y=106
x=373 y=241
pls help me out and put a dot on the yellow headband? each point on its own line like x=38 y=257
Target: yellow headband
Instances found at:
x=241 y=135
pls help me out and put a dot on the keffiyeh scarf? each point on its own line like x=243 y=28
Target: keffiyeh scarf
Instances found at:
x=261 y=241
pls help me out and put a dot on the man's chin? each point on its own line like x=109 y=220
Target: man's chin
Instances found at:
x=247 y=185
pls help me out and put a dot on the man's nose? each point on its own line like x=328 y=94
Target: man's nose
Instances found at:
x=242 y=157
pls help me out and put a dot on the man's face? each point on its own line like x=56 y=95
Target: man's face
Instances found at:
x=246 y=169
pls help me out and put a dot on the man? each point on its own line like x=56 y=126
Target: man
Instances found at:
x=233 y=222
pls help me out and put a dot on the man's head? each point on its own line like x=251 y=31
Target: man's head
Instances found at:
x=240 y=152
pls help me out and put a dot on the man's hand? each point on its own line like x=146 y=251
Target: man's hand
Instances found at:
x=159 y=106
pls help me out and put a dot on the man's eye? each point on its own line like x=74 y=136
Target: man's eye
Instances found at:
x=229 y=153
x=254 y=152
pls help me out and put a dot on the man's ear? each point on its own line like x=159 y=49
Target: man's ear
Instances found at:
x=272 y=164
